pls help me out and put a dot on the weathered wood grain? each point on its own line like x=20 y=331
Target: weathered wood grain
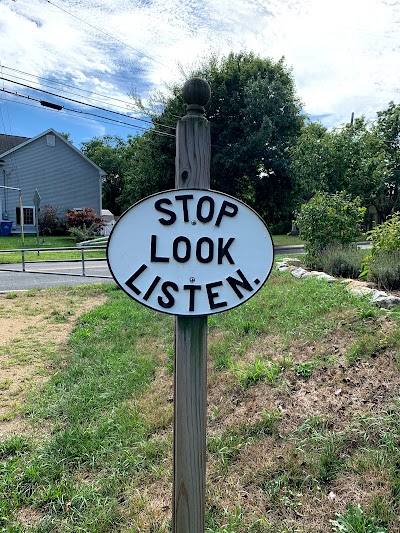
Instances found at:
x=193 y=152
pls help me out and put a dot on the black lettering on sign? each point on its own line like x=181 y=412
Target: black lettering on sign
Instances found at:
x=200 y=250
x=150 y=290
x=192 y=294
x=212 y=295
x=228 y=209
x=223 y=250
x=184 y=199
x=235 y=283
x=211 y=208
x=129 y=281
x=153 y=252
x=186 y=246
x=172 y=217
x=170 y=299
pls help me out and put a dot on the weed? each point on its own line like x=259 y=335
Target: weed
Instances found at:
x=356 y=521
x=16 y=445
x=365 y=346
x=225 y=448
x=5 y=384
x=260 y=370
x=305 y=369
x=271 y=419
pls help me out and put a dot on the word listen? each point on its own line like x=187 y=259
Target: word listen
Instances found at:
x=202 y=251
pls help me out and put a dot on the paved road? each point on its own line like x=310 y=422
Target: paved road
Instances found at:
x=43 y=275
x=52 y=274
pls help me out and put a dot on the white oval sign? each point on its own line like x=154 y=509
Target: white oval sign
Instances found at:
x=190 y=252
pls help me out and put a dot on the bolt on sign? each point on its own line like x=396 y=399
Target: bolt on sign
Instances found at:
x=190 y=252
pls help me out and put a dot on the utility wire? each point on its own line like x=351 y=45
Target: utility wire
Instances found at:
x=108 y=34
x=85 y=104
x=103 y=96
x=113 y=120
x=65 y=112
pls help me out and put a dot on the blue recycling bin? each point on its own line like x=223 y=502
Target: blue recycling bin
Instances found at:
x=5 y=228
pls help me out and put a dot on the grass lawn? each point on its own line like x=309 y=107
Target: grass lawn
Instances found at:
x=14 y=242
x=303 y=413
x=286 y=240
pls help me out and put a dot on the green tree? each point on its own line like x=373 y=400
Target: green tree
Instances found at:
x=336 y=160
x=255 y=115
x=362 y=159
x=386 y=160
x=111 y=154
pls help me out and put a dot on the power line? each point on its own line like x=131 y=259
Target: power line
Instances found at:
x=147 y=111
x=49 y=82
x=108 y=35
x=67 y=113
x=85 y=104
x=115 y=121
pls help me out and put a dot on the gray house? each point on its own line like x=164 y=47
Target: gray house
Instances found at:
x=62 y=175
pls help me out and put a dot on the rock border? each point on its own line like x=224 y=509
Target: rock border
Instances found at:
x=359 y=288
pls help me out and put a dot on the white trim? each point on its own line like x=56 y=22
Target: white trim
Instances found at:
x=22 y=215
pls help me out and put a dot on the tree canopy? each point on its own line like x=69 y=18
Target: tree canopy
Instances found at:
x=113 y=155
x=255 y=116
x=362 y=159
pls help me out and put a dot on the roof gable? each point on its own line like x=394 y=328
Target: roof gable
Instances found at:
x=61 y=138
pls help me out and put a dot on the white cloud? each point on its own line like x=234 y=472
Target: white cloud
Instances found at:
x=344 y=53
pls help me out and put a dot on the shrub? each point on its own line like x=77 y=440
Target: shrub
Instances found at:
x=329 y=219
x=342 y=261
x=85 y=216
x=84 y=233
x=386 y=236
x=380 y=266
x=50 y=222
x=384 y=269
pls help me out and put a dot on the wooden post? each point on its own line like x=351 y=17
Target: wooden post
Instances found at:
x=193 y=152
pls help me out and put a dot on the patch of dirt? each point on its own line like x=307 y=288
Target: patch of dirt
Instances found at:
x=29 y=517
x=34 y=327
x=339 y=393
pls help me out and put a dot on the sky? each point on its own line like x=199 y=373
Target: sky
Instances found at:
x=344 y=56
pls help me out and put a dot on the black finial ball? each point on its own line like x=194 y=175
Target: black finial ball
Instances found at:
x=196 y=91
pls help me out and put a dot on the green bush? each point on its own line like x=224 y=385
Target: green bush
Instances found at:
x=84 y=233
x=329 y=219
x=384 y=269
x=342 y=261
x=386 y=236
x=381 y=266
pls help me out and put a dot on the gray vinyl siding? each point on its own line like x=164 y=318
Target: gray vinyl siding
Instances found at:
x=62 y=176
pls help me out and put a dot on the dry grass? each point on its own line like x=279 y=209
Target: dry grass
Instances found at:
x=34 y=327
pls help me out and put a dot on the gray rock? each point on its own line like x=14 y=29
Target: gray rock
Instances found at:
x=299 y=272
x=386 y=301
x=292 y=261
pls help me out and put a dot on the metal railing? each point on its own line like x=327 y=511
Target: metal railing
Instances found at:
x=79 y=249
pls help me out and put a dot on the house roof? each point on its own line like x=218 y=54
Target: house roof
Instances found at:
x=7 y=142
x=27 y=140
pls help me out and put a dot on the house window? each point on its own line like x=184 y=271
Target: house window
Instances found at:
x=29 y=216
